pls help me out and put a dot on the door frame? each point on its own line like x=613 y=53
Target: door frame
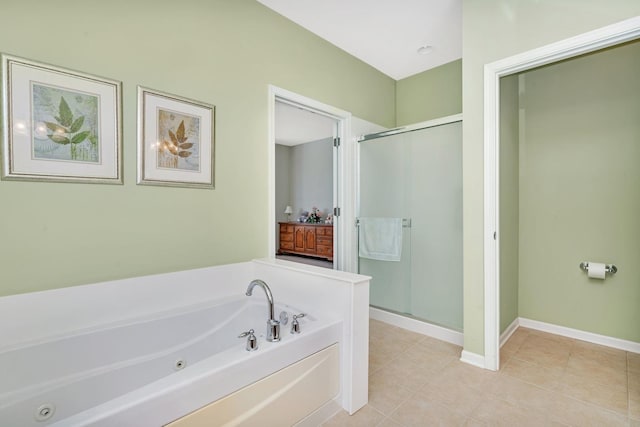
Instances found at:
x=344 y=175
x=604 y=37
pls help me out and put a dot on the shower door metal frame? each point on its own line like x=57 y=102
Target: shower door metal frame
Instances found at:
x=410 y=128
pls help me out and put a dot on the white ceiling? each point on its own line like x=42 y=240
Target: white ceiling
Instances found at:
x=385 y=34
x=295 y=126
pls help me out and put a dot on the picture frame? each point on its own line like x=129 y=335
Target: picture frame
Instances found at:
x=59 y=125
x=176 y=140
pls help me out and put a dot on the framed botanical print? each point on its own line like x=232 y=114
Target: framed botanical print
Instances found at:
x=59 y=124
x=175 y=140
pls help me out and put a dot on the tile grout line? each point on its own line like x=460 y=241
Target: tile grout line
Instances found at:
x=571 y=378
x=628 y=388
x=564 y=393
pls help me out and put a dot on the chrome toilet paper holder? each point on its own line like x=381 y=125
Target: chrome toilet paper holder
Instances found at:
x=609 y=268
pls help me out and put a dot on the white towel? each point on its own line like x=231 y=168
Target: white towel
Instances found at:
x=380 y=238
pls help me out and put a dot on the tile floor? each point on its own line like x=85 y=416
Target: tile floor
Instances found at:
x=318 y=262
x=545 y=380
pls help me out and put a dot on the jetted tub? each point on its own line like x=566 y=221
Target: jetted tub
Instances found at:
x=151 y=370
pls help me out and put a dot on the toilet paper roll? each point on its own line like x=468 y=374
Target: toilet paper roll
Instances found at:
x=596 y=270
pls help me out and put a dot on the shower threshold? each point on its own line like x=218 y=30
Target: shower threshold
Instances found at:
x=415 y=324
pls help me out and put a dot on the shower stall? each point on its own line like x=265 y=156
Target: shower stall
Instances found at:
x=414 y=175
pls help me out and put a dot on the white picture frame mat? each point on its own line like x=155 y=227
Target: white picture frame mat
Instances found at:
x=151 y=104
x=22 y=76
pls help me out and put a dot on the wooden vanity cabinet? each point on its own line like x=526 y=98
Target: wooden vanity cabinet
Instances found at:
x=286 y=236
x=324 y=242
x=314 y=240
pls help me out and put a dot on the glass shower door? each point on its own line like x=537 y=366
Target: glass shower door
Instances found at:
x=385 y=192
x=417 y=176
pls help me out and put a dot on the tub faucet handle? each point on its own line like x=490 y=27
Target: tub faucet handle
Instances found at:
x=295 y=325
x=252 y=341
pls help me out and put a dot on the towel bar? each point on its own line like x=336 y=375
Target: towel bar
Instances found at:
x=406 y=222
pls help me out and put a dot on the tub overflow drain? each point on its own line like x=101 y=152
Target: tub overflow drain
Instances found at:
x=180 y=363
x=45 y=412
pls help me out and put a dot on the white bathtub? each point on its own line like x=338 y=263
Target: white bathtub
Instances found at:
x=109 y=354
x=163 y=366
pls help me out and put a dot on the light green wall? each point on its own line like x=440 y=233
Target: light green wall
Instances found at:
x=580 y=192
x=429 y=95
x=492 y=30
x=218 y=51
x=509 y=199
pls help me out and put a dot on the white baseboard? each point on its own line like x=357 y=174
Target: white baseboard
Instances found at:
x=414 y=325
x=618 y=343
x=473 y=359
x=509 y=331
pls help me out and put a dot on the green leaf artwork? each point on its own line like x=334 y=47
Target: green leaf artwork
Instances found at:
x=66 y=125
x=180 y=137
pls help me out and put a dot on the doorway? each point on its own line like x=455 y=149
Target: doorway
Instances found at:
x=304 y=193
x=313 y=240
x=494 y=236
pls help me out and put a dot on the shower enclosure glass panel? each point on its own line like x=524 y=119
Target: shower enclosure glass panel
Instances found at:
x=417 y=176
x=385 y=191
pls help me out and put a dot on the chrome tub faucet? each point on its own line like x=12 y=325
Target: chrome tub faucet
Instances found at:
x=273 y=326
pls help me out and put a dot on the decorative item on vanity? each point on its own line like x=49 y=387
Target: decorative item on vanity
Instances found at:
x=288 y=211
x=329 y=219
x=60 y=125
x=315 y=216
x=597 y=270
x=175 y=140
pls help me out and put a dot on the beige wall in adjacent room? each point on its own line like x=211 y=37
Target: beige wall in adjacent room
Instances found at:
x=311 y=179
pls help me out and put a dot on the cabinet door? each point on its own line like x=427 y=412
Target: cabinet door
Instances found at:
x=286 y=237
x=298 y=238
x=310 y=240
x=325 y=251
x=324 y=242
